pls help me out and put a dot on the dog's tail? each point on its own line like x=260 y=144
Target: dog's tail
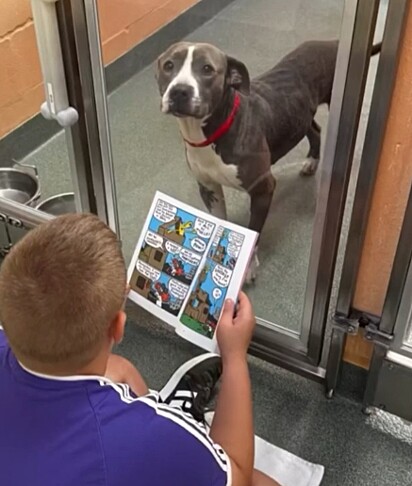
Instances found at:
x=376 y=49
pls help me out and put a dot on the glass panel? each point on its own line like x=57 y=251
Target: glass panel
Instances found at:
x=402 y=334
x=24 y=135
x=149 y=153
x=408 y=335
x=403 y=327
x=402 y=342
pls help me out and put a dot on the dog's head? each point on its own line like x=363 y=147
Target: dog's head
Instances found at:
x=193 y=79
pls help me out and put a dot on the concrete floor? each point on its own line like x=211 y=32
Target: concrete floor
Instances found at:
x=290 y=411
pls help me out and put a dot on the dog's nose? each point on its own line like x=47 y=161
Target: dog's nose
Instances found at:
x=180 y=94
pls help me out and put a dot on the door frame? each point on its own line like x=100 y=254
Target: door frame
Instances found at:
x=346 y=320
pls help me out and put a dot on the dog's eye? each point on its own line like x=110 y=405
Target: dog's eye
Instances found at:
x=168 y=66
x=207 y=69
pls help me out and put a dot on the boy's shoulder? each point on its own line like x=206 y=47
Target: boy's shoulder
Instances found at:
x=138 y=433
x=125 y=436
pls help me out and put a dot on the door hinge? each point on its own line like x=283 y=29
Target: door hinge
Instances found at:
x=351 y=325
x=374 y=335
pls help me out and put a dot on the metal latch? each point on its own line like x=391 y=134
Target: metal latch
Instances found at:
x=345 y=324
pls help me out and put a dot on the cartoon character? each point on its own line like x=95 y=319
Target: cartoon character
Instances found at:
x=177 y=269
x=162 y=293
x=180 y=228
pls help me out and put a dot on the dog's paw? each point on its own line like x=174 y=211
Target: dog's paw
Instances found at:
x=252 y=270
x=309 y=166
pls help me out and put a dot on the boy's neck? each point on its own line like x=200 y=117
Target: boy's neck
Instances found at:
x=97 y=367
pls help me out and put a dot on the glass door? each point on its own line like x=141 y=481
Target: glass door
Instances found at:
x=299 y=242
x=300 y=239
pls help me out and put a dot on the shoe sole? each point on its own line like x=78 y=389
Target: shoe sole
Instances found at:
x=171 y=385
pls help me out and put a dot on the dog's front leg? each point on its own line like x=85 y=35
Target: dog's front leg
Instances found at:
x=310 y=165
x=214 y=199
x=260 y=201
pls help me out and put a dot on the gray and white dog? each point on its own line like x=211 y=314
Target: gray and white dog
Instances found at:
x=235 y=129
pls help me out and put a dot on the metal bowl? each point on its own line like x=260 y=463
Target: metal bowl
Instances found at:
x=59 y=204
x=19 y=186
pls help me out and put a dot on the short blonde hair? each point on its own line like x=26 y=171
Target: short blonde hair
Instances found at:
x=60 y=288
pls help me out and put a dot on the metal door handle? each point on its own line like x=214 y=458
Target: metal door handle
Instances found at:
x=46 y=26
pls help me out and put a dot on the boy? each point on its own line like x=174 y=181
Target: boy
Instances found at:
x=63 y=421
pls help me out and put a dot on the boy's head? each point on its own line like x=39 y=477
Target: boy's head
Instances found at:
x=62 y=290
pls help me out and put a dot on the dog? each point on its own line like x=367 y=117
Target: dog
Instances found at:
x=235 y=128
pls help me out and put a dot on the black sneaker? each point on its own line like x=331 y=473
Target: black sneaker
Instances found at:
x=193 y=386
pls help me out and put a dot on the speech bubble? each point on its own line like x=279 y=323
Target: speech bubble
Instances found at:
x=198 y=245
x=204 y=228
x=217 y=293
x=147 y=270
x=233 y=250
x=153 y=239
x=190 y=257
x=235 y=238
x=164 y=212
x=221 y=276
x=173 y=248
x=177 y=289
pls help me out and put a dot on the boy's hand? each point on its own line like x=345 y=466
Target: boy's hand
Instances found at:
x=235 y=333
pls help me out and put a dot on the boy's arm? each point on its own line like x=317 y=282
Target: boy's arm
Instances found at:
x=232 y=425
x=120 y=370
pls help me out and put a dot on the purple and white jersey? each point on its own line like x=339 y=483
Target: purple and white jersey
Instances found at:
x=79 y=430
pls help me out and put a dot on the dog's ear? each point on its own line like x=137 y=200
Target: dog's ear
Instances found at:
x=238 y=75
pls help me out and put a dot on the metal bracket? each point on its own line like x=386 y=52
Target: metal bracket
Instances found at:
x=46 y=27
x=373 y=334
x=345 y=324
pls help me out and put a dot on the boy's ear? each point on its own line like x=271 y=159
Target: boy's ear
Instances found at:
x=117 y=327
x=238 y=75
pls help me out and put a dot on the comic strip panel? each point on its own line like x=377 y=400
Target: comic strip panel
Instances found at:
x=226 y=246
x=204 y=306
x=162 y=290
x=184 y=229
x=180 y=263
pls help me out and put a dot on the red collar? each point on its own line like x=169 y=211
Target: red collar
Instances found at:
x=222 y=129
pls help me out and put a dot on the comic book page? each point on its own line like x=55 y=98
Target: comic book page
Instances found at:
x=172 y=245
x=220 y=277
x=185 y=265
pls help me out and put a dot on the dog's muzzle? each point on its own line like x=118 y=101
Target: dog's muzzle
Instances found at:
x=179 y=101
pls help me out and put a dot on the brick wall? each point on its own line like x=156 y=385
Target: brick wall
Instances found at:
x=124 y=23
